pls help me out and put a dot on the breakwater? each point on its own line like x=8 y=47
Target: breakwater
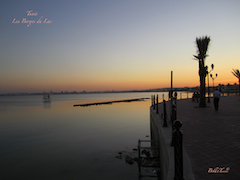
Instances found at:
x=110 y=102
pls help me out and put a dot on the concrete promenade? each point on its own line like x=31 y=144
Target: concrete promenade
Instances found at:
x=211 y=138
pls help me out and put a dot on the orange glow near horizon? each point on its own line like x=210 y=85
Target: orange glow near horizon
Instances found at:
x=110 y=84
x=113 y=79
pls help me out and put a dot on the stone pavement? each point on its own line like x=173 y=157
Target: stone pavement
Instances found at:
x=211 y=138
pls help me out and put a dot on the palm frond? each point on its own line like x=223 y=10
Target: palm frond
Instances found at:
x=196 y=57
x=202 y=46
x=236 y=73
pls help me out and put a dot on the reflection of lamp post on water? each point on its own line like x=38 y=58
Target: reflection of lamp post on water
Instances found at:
x=213 y=79
x=212 y=66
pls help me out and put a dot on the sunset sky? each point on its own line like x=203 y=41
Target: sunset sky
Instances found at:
x=114 y=44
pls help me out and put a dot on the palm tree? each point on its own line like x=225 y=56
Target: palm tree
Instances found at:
x=202 y=48
x=237 y=74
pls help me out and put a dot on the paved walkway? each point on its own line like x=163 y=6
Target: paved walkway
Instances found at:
x=211 y=138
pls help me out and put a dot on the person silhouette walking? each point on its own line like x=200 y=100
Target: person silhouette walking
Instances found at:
x=216 y=97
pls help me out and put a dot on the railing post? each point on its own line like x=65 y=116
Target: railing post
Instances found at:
x=164 y=114
x=151 y=100
x=175 y=103
x=173 y=118
x=178 y=154
x=170 y=96
x=154 y=101
x=197 y=96
x=157 y=104
x=228 y=86
x=236 y=87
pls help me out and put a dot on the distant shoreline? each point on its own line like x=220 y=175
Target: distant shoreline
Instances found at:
x=102 y=92
x=185 y=89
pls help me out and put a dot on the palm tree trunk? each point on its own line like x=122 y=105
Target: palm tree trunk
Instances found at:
x=202 y=102
x=202 y=75
x=239 y=87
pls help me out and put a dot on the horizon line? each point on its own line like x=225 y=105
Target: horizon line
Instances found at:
x=108 y=91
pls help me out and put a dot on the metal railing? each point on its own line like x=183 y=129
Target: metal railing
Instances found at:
x=177 y=135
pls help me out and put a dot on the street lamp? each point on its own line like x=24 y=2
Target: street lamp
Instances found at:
x=212 y=66
x=213 y=79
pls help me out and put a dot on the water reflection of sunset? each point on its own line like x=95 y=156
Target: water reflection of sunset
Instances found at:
x=56 y=137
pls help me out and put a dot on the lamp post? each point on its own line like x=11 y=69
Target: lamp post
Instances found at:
x=212 y=66
x=213 y=79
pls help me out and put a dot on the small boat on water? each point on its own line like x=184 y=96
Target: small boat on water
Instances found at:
x=46 y=98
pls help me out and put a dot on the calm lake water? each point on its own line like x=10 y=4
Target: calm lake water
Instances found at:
x=58 y=141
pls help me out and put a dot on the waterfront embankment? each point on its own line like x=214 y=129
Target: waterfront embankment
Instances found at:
x=210 y=138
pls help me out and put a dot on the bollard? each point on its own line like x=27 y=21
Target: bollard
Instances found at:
x=157 y=104
x=164 y=114
x=178 y=152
